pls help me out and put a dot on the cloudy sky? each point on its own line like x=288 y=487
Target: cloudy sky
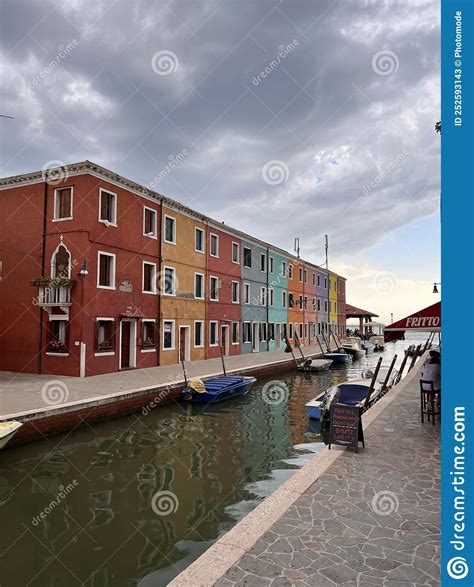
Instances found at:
x=280 y=118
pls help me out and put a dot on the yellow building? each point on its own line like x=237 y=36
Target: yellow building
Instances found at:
x=182 y=285
x=333 y=310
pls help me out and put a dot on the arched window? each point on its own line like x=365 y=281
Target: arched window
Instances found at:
x=61 y=262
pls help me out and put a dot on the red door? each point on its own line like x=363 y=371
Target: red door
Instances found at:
x=125 y=350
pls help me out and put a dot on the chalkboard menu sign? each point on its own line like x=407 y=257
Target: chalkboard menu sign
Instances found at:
x=346 y=426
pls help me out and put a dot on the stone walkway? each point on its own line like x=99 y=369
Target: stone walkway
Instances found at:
x=22 y=392
x=370 y=519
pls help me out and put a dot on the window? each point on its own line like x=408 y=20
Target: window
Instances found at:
x=61 y=262
x=271 y=297
x=283 y=299
x=305 y=303
x=325 y=283
x=271 y=263
x=263 y=300
x=148 y=335
x=214 y=245
x=199 y=240
x=247 y=257
x=198 y=333
x=63 y=204
x=314 y=279
x=214 y=290
x=106 y=270
x=57 y=337
x=300 y=274
x=283 y=268
x=291 y=301
x=170 y=230
x=319 y=305
x=199 y=286
x=149 y=278
x=271 y=332
x=213 y=340
x=149 y=222
x=263 y=262
x=235 y=253
x=319 y=280
x=105 y=335
x=305 y=273
x=325 y=305
x=246 y=293
x=306 y=330
x=168 y=335
x=300 y=302
x=301 y=330
x=263 y=331
x=290 y=271
x=290 y=329
x=168 y=286
x=235 y=333
x=247 y=332
x=235 y=292
x=107 y=207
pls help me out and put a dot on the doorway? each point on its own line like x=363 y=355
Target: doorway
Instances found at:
x=277 y=336
x=255 y=337
x=184 y=343
x=225 y=339
x=128 y=344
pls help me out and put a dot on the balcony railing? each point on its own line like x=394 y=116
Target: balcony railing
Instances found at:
x=57 y=295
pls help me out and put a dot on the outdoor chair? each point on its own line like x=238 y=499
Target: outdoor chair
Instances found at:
x=430 y=404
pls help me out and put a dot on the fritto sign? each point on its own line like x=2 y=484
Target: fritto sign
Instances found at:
x=423 y=321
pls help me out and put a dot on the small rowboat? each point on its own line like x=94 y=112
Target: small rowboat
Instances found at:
x=338 y=357
x=217 y=389
x=8 y=430
x=349 y=393
x=315 y=365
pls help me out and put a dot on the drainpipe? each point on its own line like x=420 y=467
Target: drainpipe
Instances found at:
x=43 y=266
x=160 y=258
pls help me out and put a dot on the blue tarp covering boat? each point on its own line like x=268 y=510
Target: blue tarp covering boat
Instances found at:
x=219 y=389
x=350 y=393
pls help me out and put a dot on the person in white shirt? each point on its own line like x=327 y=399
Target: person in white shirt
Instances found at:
x=432 y=370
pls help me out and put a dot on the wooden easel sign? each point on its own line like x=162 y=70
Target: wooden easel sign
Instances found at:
x=346 y=426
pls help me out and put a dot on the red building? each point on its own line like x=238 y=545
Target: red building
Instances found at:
x=309 y=303
x=224 y=252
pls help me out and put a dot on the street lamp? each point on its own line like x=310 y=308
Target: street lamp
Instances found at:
x=84 y=270
x=435 y=287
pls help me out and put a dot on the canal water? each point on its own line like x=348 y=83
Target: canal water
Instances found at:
x=135 y=500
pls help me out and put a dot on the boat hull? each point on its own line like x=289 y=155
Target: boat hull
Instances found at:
x=316 y=365
x=338 y=357
x=8 y=430
x=355 y=353
x=214 y=394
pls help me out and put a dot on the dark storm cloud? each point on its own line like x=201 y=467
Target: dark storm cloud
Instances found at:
x=251 y=82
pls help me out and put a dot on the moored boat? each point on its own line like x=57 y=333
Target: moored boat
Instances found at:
x=378 y=341
x=217 y=389
x=8 y=430
x=315 y=365
x=338 y=357
x=353 y=346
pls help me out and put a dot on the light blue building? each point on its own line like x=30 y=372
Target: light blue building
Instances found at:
x=322 y=301
x=277 y=299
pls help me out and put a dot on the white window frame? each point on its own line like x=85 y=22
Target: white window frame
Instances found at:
x=106 y=222
x=107 y=353
x=211 y=235
x=290 y=271
x=243 y=257
x=55 y=203
x=249 y=341
x=271 y=264
x=305 y=276
x=283 y=268
x=319 y=280
x=300 y=274
x=237 y=300
x=263 y=257
x=326 y=306
x=263 y=296
x=173 y=218
x=113 y=270
x=173 y=336
x=198 y=346
x=203 y=283
x=235 y=322
x=234 y=244
x=216 y=322
x=155 y=289
x=201 y=230
x=151 y=321
x=271 y=297
x=163 y=282
x=246 y=289
x=216 y=299
x=153 y=235
x=284 y=299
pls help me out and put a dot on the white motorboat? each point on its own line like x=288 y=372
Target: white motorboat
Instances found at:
x=378 y=341
x=353 y=346
x=8 y=430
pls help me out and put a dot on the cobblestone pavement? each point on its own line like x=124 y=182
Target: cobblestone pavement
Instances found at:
x=371 y=519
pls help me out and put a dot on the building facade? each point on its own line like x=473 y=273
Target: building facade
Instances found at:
x=112 y=276
x=341 y=306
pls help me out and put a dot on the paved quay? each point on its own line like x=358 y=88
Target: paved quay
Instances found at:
x=365 y=519
x=49 y=404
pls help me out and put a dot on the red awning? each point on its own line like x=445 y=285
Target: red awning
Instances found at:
x=426 y=320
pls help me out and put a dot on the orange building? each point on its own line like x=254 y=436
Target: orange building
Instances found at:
x=296 y=274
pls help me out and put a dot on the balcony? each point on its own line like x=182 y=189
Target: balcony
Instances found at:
x=54 y=294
